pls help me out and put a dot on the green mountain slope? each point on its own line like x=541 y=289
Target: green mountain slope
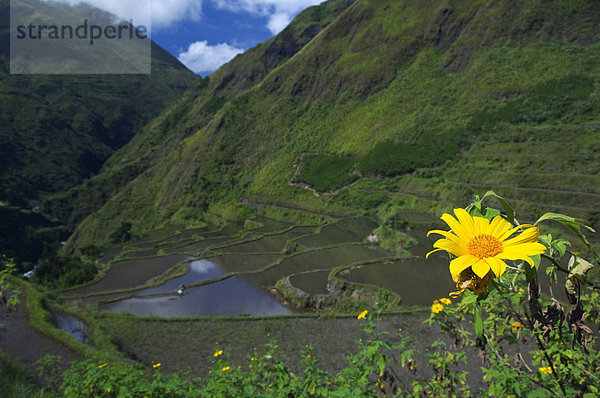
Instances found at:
x=191 y=113
x=432 y=102
x=57 y=130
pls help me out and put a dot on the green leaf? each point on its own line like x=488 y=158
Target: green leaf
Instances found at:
x=477 y=203
x=546 y=240
x=560 y=245
x=478 y=323
x=531 y=271
x=508 y=210
x=485 y=212
x=574 y=224
x=564 y=218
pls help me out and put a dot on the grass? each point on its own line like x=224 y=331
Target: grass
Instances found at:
x=151 y=339
x=14 y=380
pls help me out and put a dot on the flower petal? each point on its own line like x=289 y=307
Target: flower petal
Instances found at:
x=522 y=249
x=450 y=236
x=508 y=233
x=433 y=251
x=480 y=268
x=456 y=227
x=466 y=221
x=481 y=225
x=529 y=235
x=498 y=226
x=460 y=264
x=451 y=247
x=522 y=252
x=496 y=265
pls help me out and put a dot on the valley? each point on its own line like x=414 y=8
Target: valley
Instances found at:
x=285 y=200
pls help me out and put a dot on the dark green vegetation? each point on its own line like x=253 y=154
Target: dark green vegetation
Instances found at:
x=432 y=102
x=325 y=172
x=14 y=380
x=58 y=130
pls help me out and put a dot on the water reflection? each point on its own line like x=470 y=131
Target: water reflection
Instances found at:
x=311 y=282
x=418 y=281
x=73 y=326
x=199 y=270
x=232 y=296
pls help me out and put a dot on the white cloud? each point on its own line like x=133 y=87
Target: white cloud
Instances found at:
x=200 y=57
x=163 y=12
x=277 y=22
x=279 y=12
x=166 y=12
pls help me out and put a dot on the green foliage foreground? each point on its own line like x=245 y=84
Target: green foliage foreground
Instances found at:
x=529 y=343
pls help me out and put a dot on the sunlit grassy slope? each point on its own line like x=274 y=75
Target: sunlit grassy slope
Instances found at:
x=433 y=101
x=191 y=112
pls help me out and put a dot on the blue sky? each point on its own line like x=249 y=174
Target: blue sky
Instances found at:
x=204 y=34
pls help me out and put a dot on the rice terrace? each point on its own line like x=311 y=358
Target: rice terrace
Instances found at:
x=341 y=198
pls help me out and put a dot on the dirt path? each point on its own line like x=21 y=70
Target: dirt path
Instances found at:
x=20 y=341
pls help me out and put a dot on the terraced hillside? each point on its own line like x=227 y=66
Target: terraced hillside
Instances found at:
x=426 y=103
x=253 y=267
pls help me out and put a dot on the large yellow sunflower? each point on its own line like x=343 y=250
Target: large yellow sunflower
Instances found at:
x=480 y=246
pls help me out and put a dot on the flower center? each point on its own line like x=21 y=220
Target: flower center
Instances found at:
x=484 y=246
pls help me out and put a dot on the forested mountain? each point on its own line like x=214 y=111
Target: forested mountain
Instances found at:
x=58 y=130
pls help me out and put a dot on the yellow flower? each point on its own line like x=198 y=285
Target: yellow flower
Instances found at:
x=225 y=369
x=480 y=246
x=156 y=365
x=436 y=308
x=218 y=353
x=516 y=326
x=103 y=365
x=445 y=301
x=362 y=315
x=547 y=369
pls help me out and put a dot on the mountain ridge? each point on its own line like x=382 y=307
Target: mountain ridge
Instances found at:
x=201 y=101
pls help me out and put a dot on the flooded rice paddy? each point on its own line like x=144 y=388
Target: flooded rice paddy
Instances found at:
x=232 y=270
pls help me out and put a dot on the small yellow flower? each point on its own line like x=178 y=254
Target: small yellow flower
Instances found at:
x=308 y=356
x=445 y=301
x=226 y=368
x=436 y=308
x=516 y=327
x=103 y=365
x=156 y=365
x=218 y=353
x=362 y=315
x=546 y=369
